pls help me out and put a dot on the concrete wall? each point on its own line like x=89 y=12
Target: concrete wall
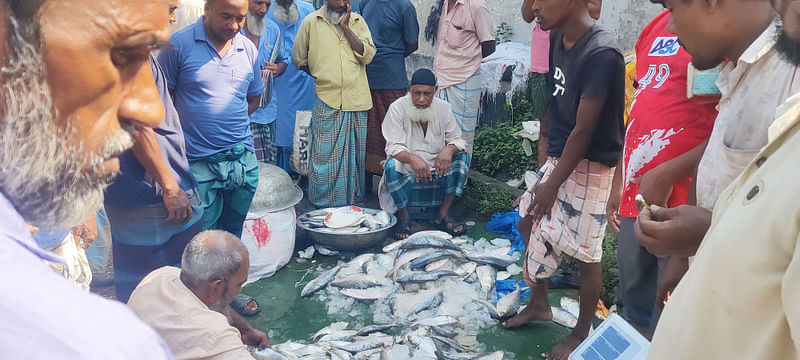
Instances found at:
x=624 y=18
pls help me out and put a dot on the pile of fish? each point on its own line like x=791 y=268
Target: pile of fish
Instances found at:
x=346 y=219
x=428 y=296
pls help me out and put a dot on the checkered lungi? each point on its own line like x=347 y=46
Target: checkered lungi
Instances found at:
x=406 y=191
x=338 y=143
x=376 y=144
x=465 y=99
x=265 y=148
x=578 y=221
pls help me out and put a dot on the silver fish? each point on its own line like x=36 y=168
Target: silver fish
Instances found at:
x=443 y=264
x=333 y=327
x=356 y=281
x=563 y=317
x=489 y=307
x=428 y=304
x=428 y=258
x=430 y=242
x=383 y=218
x=419 y=277
x=496 y=261
x=339 y=335
x=268 y=354
x=320 y=282
x=508 y=305
x=403 y=259
x=487 y=276
x=440 y=331
x=375 y=328
x=441 y=320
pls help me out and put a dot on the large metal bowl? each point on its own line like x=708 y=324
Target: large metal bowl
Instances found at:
x=276 y=191
x=349 y=242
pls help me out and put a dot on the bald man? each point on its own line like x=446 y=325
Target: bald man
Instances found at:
x=189 y=306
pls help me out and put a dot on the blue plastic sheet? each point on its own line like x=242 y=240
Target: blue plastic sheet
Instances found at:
x=506 y=224
x=505 y=287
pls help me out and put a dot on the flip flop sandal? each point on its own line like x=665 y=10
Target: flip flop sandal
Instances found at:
x=403 y=227
x=240 y=305
x=449 y=225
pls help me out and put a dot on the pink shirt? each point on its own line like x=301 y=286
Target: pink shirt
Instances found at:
x=540 y=50
x=461 y=31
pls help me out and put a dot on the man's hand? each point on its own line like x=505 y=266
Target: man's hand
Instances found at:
x=421 y=169
x=179 y=210
x=655 y=186
x=612 y=209
x=672 y=231
x=270 y=66
x=255 y=337
x=279 y=69
x=673 y=273
x=86 y=231
x=443 y=161
x=544 y=196
x=345 y=22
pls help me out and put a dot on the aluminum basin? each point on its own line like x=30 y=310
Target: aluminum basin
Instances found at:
x=349 y=242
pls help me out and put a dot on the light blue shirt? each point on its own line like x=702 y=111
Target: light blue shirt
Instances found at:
x=294 y=89
x=210 y=92
x=47 y=317
x=266 y=44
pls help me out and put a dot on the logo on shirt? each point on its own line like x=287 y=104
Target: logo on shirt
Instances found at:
x=560 y=82
x=665 y=46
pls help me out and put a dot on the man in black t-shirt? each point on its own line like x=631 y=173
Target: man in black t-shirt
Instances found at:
x=565 y=211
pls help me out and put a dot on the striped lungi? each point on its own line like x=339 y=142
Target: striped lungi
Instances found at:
x=577 y=224
x=338 y=144
x=264 y=145
x=376 y=144
x=405 y=190
x=465 y=98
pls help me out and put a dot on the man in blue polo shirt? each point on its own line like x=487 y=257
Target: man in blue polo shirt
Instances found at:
x=216 y=83
x=395 y=31
x=294 y=90
x=267 y=36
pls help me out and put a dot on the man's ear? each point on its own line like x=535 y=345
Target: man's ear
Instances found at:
x=218 y=288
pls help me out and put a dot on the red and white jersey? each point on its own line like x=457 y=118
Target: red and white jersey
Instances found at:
x=663 y=122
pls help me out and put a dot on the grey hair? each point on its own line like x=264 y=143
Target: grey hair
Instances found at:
x=211 y=255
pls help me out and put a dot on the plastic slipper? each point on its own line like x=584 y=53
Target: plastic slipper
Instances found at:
x=447 y=224
x=403 y=227
x=240 y=305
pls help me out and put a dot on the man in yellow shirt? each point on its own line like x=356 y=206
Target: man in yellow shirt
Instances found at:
x=334 y=45
x=739 y=299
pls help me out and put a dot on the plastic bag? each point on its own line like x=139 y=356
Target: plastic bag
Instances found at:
x=506 y=224
x=269 y=239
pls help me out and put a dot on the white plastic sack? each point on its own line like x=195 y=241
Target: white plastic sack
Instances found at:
x=301 y=149
x=493 y=67
x=269 y=239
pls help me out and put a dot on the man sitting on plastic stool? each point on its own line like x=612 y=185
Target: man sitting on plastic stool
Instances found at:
x=425 y=155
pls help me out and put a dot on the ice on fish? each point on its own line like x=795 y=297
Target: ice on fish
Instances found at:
x=487 y=276
x=508 y=305
x=503 y=275
x=514 y=269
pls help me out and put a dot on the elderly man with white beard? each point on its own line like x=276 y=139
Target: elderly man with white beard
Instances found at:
x=189 y=308
x=427 y=164
x=75 y=90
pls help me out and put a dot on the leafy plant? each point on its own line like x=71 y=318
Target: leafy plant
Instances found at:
x=503 y=33
x=498 y=154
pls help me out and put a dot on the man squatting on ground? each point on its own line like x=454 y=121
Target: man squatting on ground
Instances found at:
x=427 y=162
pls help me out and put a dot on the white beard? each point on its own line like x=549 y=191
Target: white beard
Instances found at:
x=255 y=25
x=43 y=173
x=286 y=15
x=332 y=15
x=417 y=115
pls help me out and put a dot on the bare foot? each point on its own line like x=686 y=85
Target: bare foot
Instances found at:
x=529 y=313
x=566 y=347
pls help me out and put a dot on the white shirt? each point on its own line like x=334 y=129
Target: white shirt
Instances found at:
x=751 y=89
x=190 y=328
x=740 y=298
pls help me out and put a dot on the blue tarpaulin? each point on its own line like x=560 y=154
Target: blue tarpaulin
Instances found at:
x=506 y=224
x=505 y=287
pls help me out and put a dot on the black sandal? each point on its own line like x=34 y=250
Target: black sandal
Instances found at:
x=403 y=228
x=448 y=225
